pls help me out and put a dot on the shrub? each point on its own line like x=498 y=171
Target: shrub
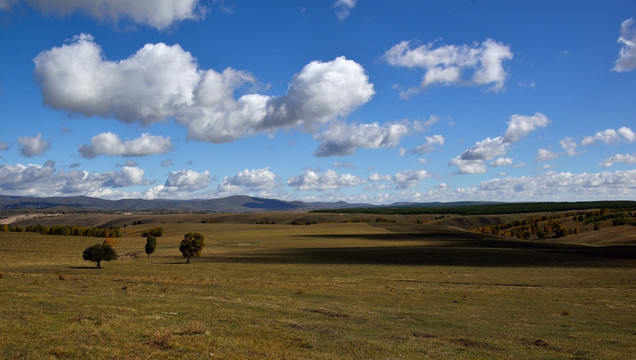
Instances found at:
x=193 y=327
x=156 y=232
x=161 y=337
x=110 y=241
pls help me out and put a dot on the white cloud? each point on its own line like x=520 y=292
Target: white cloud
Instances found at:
x=545 y=155
x=257 y=180
x=619 y=158
x=161 y=82
x=45 y=180
x=343 y=8
x=445 y=64
x=157 y=13
x=128 y=176
x=166 y=163
x=187 y=180
x=147 y=87
x=33 y=146
x=611 y=136
x=472 y=160
x=502 y=161
x=320 y=93
x=410 y=178
x=563 y=186
x=329 y=180
x=569 y=146
x=475 y=166
x=377 y=177
x=486 y=149
x=110 y=144
x=344 y=139
x=3 y=146
x=627 y=57
x=520 y=126
x=429 y=145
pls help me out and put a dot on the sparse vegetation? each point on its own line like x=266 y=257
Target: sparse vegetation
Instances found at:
x=321 y=292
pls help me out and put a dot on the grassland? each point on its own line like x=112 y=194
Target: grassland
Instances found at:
x=333 y=290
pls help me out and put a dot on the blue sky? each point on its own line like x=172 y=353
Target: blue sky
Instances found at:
x=348 y=100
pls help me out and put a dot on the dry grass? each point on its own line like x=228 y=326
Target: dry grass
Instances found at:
x=193 y=327
x=161 y=337
x=396 y=291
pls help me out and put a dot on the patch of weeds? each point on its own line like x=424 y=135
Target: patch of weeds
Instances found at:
x=300 y=291
x=328 y=313
x=163 y=290
x=61 y=277
x=59 y=352
x=193 y=327
x=565 y=313
x=1 y=275
x=161 y=337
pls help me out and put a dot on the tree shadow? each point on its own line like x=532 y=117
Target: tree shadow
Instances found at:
x=446 y=249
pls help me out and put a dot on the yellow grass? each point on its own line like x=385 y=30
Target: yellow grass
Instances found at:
x=325 y=291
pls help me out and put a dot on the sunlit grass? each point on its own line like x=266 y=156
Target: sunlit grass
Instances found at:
x=326 y=291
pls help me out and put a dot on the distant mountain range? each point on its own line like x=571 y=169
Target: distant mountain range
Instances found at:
x=227 y=204
x=237 y=203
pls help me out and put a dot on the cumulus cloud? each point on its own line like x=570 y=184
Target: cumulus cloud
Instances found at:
x=33 y=146
x=447 y=65
x=188 y=180
x=157 y=13
x=502 y=161
x=410 y=178
x=128 y=176
x=468 y=166
x=429 y=145
x=344 y=139
x=329 y=180
x=46 y=180
x=257 y=180
x=557 y=186
x=147 y=87
x=160 y=82
x=110 y=144
x=619 y=158
x=520 y=126
x=569 y=146
x=472 y=161
x=486 y=149
x=545 y=155
x=320 y=93
x=627 y=56
x=611 y=136
x=343 y=8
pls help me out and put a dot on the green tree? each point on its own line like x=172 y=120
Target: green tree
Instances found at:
x=151 y=244
x=98 y=253
x=156 y=232
x=191 y=245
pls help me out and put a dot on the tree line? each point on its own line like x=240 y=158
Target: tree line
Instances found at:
x=489 y=209
x=65 y=230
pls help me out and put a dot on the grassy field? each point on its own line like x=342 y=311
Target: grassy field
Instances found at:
x=357 y=290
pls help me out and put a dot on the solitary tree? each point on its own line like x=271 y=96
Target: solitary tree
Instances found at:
x=191 y=245
x=98 y=253
x=151 y=244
